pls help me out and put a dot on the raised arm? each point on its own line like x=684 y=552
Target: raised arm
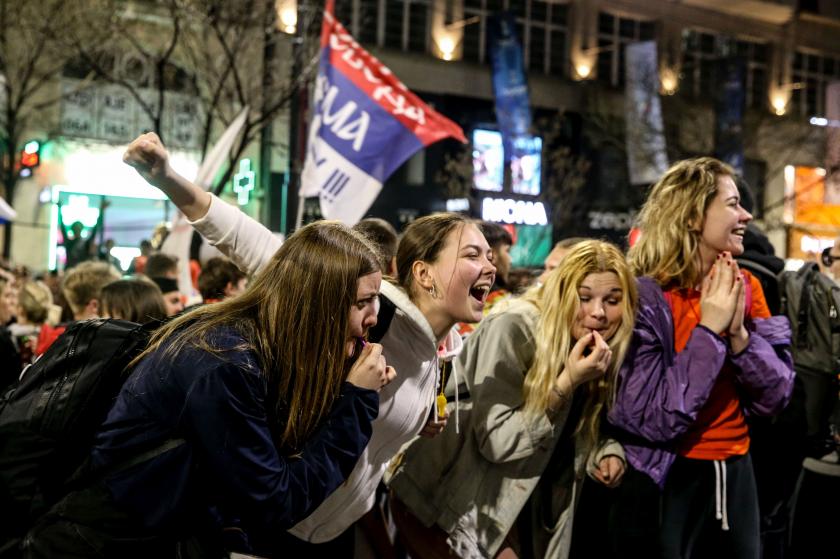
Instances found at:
x=147 y=154
x=239 y=237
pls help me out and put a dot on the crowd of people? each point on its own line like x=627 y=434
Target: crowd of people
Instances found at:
x=414 y=390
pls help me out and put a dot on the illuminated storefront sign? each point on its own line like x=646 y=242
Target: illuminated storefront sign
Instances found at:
x=505 y=210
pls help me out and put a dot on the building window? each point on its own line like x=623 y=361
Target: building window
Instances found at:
x=541 y=27
x=700 y=53
x=757 y=58
x=365 y=22
x=811 y=74
x=615 y=33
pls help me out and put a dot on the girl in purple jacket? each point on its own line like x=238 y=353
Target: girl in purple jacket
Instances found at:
x=705 y=353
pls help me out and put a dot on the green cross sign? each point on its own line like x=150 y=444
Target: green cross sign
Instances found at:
x=243 y=182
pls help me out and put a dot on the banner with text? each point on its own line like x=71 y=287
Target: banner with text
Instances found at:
x=366 y=124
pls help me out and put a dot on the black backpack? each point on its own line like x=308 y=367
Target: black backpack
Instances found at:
x=49 y=420
x=811 y=301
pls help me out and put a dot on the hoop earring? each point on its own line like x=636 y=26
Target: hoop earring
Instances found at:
x=432 y=292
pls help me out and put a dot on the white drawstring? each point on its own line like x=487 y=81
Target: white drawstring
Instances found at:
x=455 y=379
x=438 y=381
x=720 y=494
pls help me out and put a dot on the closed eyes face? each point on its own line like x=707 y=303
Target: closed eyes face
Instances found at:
x=601 y=298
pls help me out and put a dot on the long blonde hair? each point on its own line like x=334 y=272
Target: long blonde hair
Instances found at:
x=294 y=316
x=558 y=304
x=671 y=221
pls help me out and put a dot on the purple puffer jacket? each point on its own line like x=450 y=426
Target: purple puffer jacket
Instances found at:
x=660 y=392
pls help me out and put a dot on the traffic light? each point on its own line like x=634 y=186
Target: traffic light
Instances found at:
x=30 y=157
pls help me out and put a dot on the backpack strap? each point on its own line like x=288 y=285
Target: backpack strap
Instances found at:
x=85 y=473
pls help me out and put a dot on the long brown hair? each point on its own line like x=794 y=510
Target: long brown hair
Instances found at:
x=671 y=222
x=294 y=316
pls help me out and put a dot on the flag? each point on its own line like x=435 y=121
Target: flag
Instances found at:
x=178 y=241
x=366 y=124
x=646 y=158
x=7 y=214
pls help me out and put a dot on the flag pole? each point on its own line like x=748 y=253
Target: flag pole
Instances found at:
x=295 y=117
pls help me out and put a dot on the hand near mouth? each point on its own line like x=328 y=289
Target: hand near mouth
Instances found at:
x=582 y=366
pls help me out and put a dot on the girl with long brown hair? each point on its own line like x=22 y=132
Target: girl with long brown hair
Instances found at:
x=242 y=415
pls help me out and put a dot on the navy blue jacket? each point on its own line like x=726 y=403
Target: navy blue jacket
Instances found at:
x=229 y=462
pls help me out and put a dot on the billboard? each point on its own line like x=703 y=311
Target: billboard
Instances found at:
x=526 y=165
x=488 y=160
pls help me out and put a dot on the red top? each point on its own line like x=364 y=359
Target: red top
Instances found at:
x=720 y=430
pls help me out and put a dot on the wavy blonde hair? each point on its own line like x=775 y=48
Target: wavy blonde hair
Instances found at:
x=558 y=304
x=671 y=221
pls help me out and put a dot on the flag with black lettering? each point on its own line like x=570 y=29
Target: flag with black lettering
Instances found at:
x=366 y=124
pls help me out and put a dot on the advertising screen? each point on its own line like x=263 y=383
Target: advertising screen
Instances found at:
x=526 y=165
x=488 y=160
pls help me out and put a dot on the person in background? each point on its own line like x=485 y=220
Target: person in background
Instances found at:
x=161 y=265
x=172 y=297
x=830 y=261
x=220 y=278
x=384 y=236
x=78 y=247
x=106 y=256
x=34 y=308
x=560 y=250
x=705 y=353
x=9 y=355
x=138 y=263
x=162 y=269
x=82 y=287
x=134 y=299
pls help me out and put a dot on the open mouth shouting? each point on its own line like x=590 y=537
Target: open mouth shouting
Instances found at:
x=480 y=292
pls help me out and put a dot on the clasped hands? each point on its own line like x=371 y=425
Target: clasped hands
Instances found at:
x=722 y=302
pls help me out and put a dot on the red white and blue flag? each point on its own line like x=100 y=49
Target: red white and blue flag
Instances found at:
x=366 y=124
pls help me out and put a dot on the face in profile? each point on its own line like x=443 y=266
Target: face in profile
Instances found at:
x=174 y=303
x=463 y=274
x=601 y=300
x=725 y=221
x=502 y=260
x=364 y=310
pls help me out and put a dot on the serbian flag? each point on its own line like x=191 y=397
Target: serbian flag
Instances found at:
x=366 y=123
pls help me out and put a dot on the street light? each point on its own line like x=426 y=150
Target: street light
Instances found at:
x=780 y=95
x=286 y=15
